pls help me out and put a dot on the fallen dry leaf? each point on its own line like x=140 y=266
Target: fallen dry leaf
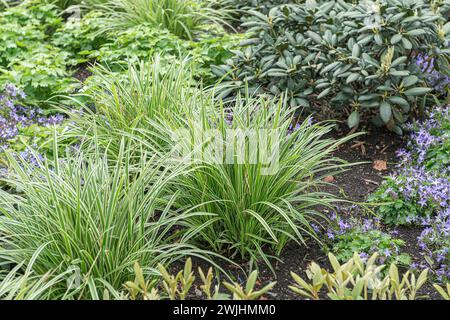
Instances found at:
x=371 y=181
x=328 y=179
x=380 y=165
x=360 y=145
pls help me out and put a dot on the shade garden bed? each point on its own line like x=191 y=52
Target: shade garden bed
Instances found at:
x=344 y=104
x=356 y=184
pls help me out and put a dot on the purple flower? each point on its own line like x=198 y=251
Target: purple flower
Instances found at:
x=14 y=115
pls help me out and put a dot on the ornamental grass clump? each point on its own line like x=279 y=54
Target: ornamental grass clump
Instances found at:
x=255 y=172
x=92 y=216
x=182 y=18
x=150 y=92
x=21 y=283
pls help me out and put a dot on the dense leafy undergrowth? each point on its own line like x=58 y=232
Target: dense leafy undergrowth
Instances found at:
x=41 y=46
x=120 y=150
x=343 y=59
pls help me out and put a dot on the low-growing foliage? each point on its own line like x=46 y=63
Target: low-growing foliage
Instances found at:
x=418 y=193
x=248 y=292
x=421 y=185
x=27 y=58
x=365 y=236
x=358 y=280
x=442 y=292
x=143 y=42
x=434 y=242
x=80 y=37
x=178 y=287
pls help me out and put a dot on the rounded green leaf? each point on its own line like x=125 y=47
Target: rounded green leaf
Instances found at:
x=352 y=77
x=410 y=80
x=398 y=101
x=385 y=112
x=418 y=91
x=396 y=38
x=353 y=119
x=324 y=93
x=356 y=51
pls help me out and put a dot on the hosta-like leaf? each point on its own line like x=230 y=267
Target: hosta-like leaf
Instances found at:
x=324 y=93
x=353 y=119
x=352 y=77
x=410 y=80
x=418 y=91
x=356 y=51
x=396 y=38
x=385 y=112
x=314 y=36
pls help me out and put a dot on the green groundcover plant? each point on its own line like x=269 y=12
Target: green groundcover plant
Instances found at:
x=365 y=236
x=419 y=187
x=418 y=192
x=27 y=58
x=359 y=279
x=45 y=50
x=353 y=60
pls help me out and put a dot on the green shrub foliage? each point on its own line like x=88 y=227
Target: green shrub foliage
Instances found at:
x=356 y=60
